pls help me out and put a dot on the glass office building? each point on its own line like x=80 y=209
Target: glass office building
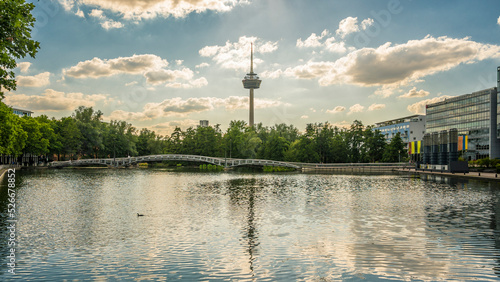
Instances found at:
x=474 y=115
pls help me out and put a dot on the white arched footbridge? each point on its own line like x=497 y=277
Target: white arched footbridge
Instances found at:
x=123 y=162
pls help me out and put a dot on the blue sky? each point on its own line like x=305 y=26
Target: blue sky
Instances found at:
x=166 y=63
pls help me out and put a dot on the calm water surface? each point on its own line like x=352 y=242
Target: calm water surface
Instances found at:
x=81 y=224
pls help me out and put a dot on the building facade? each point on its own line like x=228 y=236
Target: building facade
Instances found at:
x=411 y=128
x=21 y=112
x=473 y=115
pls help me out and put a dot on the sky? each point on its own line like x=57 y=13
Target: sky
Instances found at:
x=159 y=64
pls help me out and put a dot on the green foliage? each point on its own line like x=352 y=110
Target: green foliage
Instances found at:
x=12 y=135
x=277 y=169
x=16 y=22
x=211 y=167
x=395 y=151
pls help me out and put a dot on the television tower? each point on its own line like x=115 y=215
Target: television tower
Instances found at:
x=251 y=82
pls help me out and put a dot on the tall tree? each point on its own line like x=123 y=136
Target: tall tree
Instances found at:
x=16 y=22
x=91 y=129
x=395 y=150
x=12 y=136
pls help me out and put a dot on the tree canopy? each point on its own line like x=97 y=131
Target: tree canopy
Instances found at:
x=16 y=22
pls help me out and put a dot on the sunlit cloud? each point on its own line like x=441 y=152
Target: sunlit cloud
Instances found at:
x=52 y=100
x=337 y=109
x=183 y=107
x=24 y=66
x=396 y=65
x=413 y=93
x=139 y=9
x=38 y=80
x=236 y=55
x=357 y=108
x=419 y=107
x=376 y=107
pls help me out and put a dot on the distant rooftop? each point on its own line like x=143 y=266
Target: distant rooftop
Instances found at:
x=396 y=121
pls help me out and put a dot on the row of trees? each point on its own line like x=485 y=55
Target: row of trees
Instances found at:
x=85 y=135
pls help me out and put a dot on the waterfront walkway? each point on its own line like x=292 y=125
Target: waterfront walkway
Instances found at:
x=473 y=174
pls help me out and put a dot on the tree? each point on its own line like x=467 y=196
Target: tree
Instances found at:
x=12 y=136
x=374 y=145
x=90 y=126
x=36 y=143
x=16 y=22
x=70 y=136
x=394 y=149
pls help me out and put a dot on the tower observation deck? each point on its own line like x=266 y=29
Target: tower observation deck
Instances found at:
x=251 y=81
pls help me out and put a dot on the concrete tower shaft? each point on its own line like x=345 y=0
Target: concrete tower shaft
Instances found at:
x=251 y=82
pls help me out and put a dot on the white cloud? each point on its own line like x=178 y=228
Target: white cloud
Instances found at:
x=101 y=68
x=304 y=117
x=96 y=13
x=182 y=107
x=328 y=44
x=376 y=107
x=197 y=83
x=166 y=128
x=498 y=21
x=237 y=55
x=413 y=93
x=80 y=13
x=150 y=66
x=160 y=76
x=109 y=24
x=52 y=100
x=313 y=40
x=202 y=65
x=419 y=107
x=337 y=109
x=366 y=23
x=271 y=74
x=356 y=109
x=38 y=80
x=394 y=66
x=140 y=9
x=24 y=66
x=347 y=25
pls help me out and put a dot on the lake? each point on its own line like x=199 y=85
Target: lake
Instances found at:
x=82 y=224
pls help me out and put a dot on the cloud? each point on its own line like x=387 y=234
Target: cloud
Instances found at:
x=38 y=80
x=313 y=40
x=96 y=67
x=413 y=93
x=236 y=55
x=152 y=67
x=52 y=100
x=375 y=107
x=140 y=9
x=304 y=117
x=347 y=25
x=335 y=110
x=197 y=83
x=80 y=13
x=182 y=107
x=356 y=109
x=398 y=65
x=24 y=66
x=328 y=44
x=105 y=22
x=159 y=76
x=202 y=65
x=419 y=107
x=498 y=21
x=167 y=128
x=366 y=23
